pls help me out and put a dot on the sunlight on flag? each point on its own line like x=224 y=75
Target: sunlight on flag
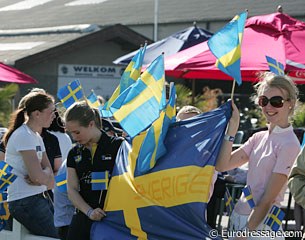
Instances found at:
x=142 y=101
x=226 y=46
x=130 y=76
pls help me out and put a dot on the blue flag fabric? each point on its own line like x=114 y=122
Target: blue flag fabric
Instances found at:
x=274 y=218
x=93 y=100
x=142 y=101
x=275 y=66
x=129 y=77
x=4 y=168
x=170 y=200
x=248 y=195
x=6 y=176
x=4 y=212
x=61 y=182
x=99 y=180
x=3 y=197
x=2 y=224
x=226 y=46
x=152 y=148
x=70 y=93
x=228 y=202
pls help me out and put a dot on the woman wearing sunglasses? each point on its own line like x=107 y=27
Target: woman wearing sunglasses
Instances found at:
x=270 y=153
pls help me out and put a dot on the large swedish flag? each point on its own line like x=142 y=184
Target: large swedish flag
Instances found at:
x=169 y=201
x=130 y=76
x=140 y=104
x=226 y=46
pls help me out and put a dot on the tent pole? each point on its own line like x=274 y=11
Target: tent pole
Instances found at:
x=193 y=91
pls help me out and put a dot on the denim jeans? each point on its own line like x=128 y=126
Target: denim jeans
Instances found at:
x=36 y=214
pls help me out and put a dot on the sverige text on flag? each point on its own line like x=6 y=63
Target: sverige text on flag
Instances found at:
x=169 y=201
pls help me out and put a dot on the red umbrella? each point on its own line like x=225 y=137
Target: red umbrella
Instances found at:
x=276 y=35
x=10 y=74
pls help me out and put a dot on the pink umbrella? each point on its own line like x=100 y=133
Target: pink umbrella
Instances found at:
x=276 y=35
x=10 y=74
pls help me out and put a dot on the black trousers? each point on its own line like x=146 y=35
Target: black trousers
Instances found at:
x=80 y=227
x=63 y=232
x=214 y=203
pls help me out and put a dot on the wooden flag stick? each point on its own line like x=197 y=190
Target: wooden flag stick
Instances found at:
x=233 y=88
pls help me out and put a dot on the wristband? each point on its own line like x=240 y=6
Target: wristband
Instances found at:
x=89 y=212
x=229 y=138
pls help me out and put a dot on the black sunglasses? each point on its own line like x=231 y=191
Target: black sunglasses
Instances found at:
x=276 y=101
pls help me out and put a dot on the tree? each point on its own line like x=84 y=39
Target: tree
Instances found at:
x=6 y=106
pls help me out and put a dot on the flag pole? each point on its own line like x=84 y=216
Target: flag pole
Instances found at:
x=233 y=89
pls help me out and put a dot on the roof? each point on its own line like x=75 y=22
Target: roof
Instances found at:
x=49 y=13
x=37 y=44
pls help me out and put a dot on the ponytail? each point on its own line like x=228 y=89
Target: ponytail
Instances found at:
x=16 y=120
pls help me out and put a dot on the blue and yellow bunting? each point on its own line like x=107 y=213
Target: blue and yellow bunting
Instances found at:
x=99 y=180
x=228 y=202
x=70 y=93
x=226 y=46
x=142 y=101
x=61 y=182
x=274 y=218
x=275 y=66
x=248 y=195
x=129 y=77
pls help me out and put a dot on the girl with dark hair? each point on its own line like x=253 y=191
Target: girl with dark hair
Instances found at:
x=25 y=152
x=96 y=152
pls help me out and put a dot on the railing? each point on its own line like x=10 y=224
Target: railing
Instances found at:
x=20 y=233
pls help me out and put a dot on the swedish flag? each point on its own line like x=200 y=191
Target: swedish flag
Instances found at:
x=99 y=180
x=4 y=168
x=6 y=180
x=226 y=46
x=4 y=212
x=228 y=202
x=2 y=224
x=61 y=182
x=141 y=102
x=169 y=201
x=130 y=76
x=3 y=197
x=152 y=148
x=274 y=218
x=93 y=100
x=70 y=93
x=275 y=66
x=248 y=195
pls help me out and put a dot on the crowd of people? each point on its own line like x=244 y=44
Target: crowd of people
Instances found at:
x=37 y=203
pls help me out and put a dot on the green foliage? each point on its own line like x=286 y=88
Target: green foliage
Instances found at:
x=205 y=101
x=6 y=95
x=299 y=117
